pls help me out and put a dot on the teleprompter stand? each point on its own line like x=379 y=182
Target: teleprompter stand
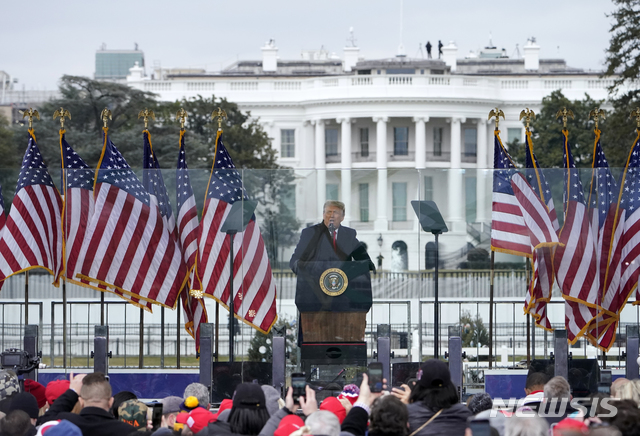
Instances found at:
x=431 y=221
x=239 y=216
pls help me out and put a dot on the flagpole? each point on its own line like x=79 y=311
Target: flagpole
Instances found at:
x=529 y=329
x=217 y=330
x=141 y=341
x=493 y=253
x=178 y=339
x=26 y=298
x=62 y=114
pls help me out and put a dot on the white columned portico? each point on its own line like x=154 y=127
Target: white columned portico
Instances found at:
x=381 y=222
x=421 y=141
x=481 y=172
x=321 y=165
x=456 y=174
x=345 y=173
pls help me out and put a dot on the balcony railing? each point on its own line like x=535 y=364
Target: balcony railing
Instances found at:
x=469 y=157
x=409 y=156
x=359 y=156
x=441 y=156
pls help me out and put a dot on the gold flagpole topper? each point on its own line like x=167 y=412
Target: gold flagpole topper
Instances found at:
x=636 y=114
x=106 y=116
x=181 y=116
x=62 y=113
x=220 y=114
x=564 y=113
x=596 y=114
x=146 y=114
x=528 y=115
x=497 y=112
x=30 y=113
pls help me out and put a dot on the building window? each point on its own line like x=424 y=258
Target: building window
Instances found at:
x=437 y=141
x=428 y=188
x=401 y=141
x=287 y=143
x=399 y=194
x=470 y=196
x=364 y=202
x=331 y=142
x=513 y=135
x=332 y=191
x=288 y=200
x=364 y=142
x=470 y=142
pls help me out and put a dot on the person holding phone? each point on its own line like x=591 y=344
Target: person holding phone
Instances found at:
x=433 y=404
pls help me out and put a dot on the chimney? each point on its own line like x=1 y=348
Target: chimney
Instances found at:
x=351 y=55
x=450 y=55
x=531 y=55
x=270 y=57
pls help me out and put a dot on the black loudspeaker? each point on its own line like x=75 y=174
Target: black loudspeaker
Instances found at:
x=404 y=372
x=227 y=376
x=584 y=374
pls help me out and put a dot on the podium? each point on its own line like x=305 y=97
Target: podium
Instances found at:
x=333 y=298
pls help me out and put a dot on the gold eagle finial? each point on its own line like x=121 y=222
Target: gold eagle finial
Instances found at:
x=596 y=114
x=30 y=113
x=528 y=115
x=181 y=116
x=220 y=113
x=564 y=113
x=62 y=113
x=106 y=116
x=497 y=112
x=146 y=114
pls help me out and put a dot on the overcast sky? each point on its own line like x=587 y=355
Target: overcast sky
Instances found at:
x=42 y=40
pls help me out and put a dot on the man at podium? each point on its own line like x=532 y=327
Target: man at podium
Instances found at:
x=333 y=292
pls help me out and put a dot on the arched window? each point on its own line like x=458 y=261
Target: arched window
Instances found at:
x=399 y=257
x=430 y=255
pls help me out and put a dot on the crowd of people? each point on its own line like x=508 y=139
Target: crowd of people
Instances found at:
x=429 y=405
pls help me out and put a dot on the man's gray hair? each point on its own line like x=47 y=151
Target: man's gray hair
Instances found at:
x=323 y=422
x=198 y=390
x=558 y=387
x=526 y=426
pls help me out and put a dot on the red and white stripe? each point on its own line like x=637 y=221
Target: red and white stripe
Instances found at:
x=535 y=213
x=78 y=210
x=127 y=246
x=32 y=236
x=576 y=270
x=509 y=232
x=254 y=288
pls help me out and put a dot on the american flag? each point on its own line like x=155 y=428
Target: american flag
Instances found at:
x=628 y=239
x=127 y=245
x=603 y=203
x=543 y=275
x=3 y=218
x=509 y=233
x=77 y=179
x=576 y=262
x=254 y=288
x=188 y=228
x=32 y=236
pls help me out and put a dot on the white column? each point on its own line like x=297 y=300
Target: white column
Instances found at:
x=381 y=222
x=421 y=141
x=481 y=152
x=306 y=148
x=321 y=165
x=456 y=191
x=345 y=173
x=456 y=156
x=482 y=203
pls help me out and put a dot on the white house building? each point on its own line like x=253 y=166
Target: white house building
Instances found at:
x=379 y=133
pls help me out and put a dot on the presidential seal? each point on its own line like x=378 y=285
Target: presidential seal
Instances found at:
x=333 y=282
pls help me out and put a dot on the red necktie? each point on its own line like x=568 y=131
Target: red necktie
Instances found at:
x=335 y=248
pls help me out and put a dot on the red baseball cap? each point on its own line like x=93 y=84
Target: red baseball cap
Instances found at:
x=288 y=425
x=198 y=419
x=54 y=389
x=333 y=405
